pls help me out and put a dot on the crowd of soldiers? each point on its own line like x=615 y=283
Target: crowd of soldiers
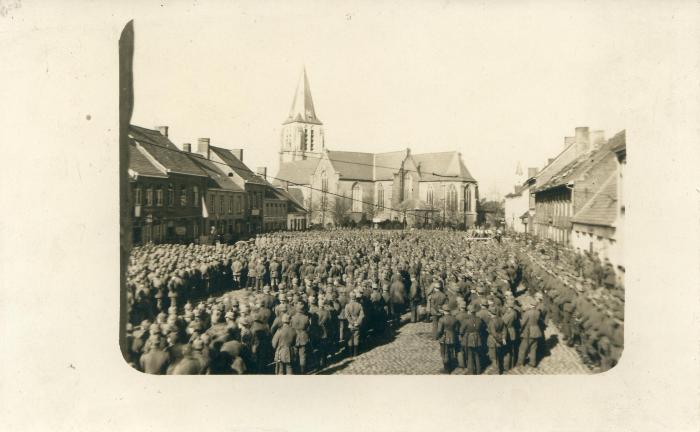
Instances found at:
x=293 y=302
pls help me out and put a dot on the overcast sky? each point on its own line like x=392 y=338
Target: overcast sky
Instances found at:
x=500 y=84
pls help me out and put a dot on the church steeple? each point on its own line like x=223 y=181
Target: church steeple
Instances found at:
x=302 y=131
x=302 y=109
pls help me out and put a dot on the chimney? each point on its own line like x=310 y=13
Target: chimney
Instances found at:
x=531 y=172
x=187 y=147
x=597 y=138
x=568 y=141
x=583 y=143
x=163 y=130
x=238 y=153
x=262 y=172
x=203 y=147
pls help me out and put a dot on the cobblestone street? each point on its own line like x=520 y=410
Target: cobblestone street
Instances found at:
x=415 y=352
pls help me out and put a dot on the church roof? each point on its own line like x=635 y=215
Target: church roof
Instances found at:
x=383 y=166
x=302 y=109
x=353 y=165
x=446 y=164
x=297 y=172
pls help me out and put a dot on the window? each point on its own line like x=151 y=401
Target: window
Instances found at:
x=137 y=197
x=183 y=196
x=230 y=204
x=380 y=195
x=211 y=204
x=195 y=196
x=222 y=206
x=324 y=181
x=311 y=139
x=452 y=198
x=171 y=196
x=356 y=198
x=149 y=197
x=468 y=198
x=430 y=197
x=159 y=197
x=239 y=204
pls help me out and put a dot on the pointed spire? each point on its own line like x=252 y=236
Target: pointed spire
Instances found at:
x=302 y=109
x=519 y=170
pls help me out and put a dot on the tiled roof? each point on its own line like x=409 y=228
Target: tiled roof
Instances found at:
x=353 y=165
x=618 y=143
x=287 y=195
x=297 y=195
x=164 y=151
x=297 y=172
x=139 y=163
x=217 y=178
x=237 y=166
x=387 y=164
x=601 y=209
x=382 y=166
x=577 y=167
x=444 y=163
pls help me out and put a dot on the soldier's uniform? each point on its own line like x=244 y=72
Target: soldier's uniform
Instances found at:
x=512 y=330
x=470 y=340
x=447 y=335
x=437 y=299
x=284 y=342
x=531 y=336
x=355 y=317
x=496 y=340
x=300 y=323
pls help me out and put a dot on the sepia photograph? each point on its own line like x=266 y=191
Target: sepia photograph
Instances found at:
x=311 y=241
x=395 y=216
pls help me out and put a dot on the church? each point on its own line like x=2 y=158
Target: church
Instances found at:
x=345 y=187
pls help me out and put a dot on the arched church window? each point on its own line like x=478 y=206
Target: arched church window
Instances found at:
x=431 y=196
x=380 y=195
x=452 y=198
x=356 y=198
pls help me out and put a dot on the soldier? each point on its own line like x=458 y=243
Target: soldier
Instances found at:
x=300 y=323
x=156 y=359
x=512 y=326
x=470 y=330
x=447 y=331
x=189 y=365
x=530 y=337
x=497 y=340
x=414 y=297
x=325 y=324
x=284 y=342
x=260 y=344
x=355 y=316
x=437 y=299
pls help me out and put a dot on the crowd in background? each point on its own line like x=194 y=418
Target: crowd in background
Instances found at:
x=293 y=302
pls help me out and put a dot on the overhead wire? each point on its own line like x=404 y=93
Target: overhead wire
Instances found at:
x=376 y=206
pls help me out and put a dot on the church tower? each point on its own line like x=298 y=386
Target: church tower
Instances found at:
x=302 y=132
x=519 y=175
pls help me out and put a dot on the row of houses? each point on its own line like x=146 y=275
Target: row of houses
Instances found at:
x=577 y=198
x=181 y=195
